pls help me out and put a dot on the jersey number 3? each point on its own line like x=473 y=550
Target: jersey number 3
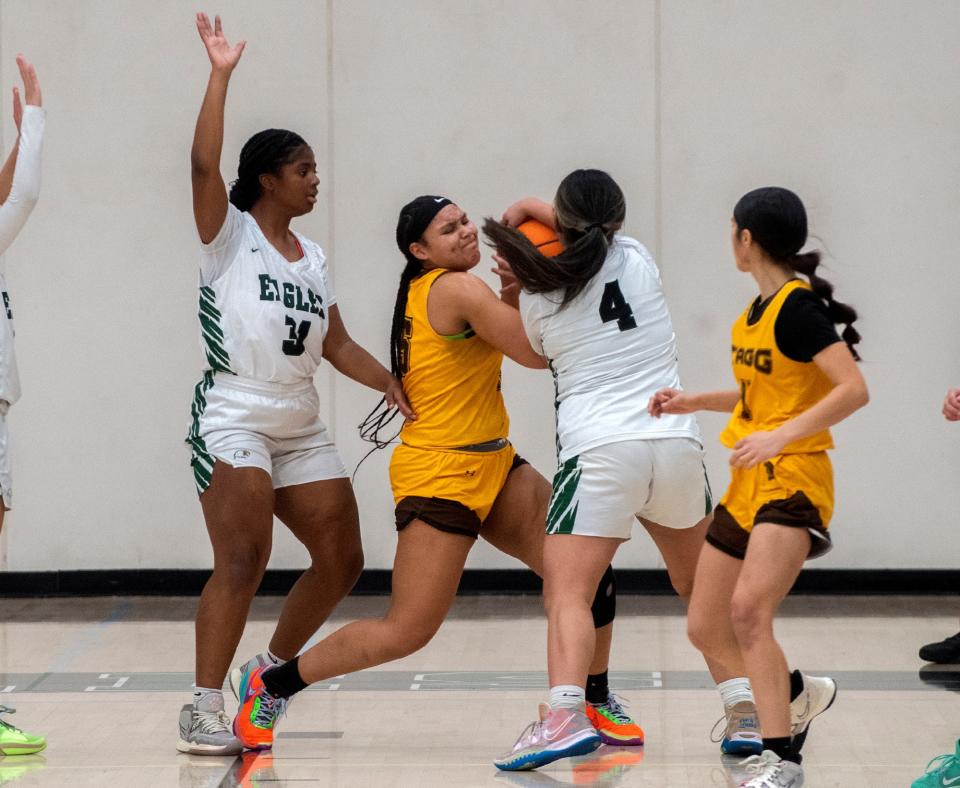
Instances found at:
x=613 y=306
x=298 y=335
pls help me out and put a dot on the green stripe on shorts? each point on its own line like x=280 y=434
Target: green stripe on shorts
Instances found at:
x=562 y=515
x=200 y=459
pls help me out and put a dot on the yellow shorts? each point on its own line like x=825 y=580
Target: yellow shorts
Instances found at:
x=450 y=490
x=794 y=490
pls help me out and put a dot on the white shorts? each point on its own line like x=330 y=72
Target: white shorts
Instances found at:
x=602 y=491
x=250 y=424
x=6 y=481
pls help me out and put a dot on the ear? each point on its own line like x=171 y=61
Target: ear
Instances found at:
x=268 y=182
x=745 y=237
x=419 y=251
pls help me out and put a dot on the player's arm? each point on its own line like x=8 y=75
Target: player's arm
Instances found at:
x=849 y=393
x=352 y=360
x=209 y=191
x=530 y=208
x=496 y=322
x=676 y=401
x=20 y=177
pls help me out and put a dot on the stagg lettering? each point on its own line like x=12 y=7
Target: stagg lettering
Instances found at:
x=761 y=359
x=290 y=295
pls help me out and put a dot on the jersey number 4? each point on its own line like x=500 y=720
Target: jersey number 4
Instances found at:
x=298 y=335
x=613 y=306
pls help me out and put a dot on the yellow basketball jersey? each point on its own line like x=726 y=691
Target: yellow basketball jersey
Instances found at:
x=452 y=382
x=773 y=387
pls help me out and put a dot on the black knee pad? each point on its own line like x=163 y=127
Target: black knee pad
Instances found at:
x=604 y=606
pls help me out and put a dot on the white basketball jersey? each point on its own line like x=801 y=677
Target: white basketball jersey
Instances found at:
x=24 y=192
x=261 y=316
x=609 y=350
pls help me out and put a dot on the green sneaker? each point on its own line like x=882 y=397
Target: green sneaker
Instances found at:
x=14 y=741
x=944 y=770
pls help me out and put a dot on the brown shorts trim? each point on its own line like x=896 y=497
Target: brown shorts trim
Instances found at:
x=517 y=462
x=797 y=511
x=442 y=513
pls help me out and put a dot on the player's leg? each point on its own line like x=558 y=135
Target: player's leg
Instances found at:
x=426 y=574
x=238 y=510
x=516 y=526
x=774 y=558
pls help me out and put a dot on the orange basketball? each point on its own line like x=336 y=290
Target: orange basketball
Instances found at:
x=541 y=236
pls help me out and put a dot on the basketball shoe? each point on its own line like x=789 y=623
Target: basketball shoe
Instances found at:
x=237 y=674
x=741 y=734
x=14 y=741
x=818 y=695
x=614 y=724
x=258 y=713
x=942 y=770
x=767 y=770
x=205 y=729
x=559 y=733
x=945 y=652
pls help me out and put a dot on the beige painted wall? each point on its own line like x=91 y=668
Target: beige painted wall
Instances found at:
x=688 y=104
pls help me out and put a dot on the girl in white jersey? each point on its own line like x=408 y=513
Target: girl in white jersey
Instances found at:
x=19 y=191
x=598 y=314
x=268 y=315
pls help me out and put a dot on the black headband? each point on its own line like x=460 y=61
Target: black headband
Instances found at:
x=415 y=217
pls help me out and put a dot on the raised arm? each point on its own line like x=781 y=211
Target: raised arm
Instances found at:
x=209 y=191
x=530 y=208
x=20 y=177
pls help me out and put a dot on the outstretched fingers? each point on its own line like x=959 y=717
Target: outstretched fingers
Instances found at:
x=31 y=84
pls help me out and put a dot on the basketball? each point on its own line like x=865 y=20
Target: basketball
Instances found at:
x=541 y=236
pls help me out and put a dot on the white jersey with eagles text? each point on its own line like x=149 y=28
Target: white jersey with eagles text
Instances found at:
x=261 y=316
x=609 y=349
x=24 y=192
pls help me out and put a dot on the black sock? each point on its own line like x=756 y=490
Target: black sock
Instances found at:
x=597 y=689
x=796 y=685
x=783 y=746
x=284 y=680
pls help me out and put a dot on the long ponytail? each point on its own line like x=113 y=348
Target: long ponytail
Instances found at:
x=590 y=208
x=777 y=221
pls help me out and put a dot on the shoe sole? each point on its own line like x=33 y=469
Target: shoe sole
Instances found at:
x=206 y=749
x=534 y=760
x=741 y=747
x=801 y=737
x=26 y=749
x=631 y=741
x=236 y=676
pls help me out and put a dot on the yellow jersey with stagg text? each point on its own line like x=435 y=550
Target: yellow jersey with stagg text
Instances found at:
x=773 y=387
x=452 y=382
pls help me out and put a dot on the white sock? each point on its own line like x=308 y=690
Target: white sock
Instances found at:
x=273 y=657
x=567 y=696
x=735 y=691
x=207 y=699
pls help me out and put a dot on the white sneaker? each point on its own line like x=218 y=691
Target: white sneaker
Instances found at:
x=819 y=693
x=559 y=733
x=741 y=730
x=206 y=732
x=767 y=770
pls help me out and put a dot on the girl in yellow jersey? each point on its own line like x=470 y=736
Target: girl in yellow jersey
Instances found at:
x=454 y=476
x=795 y=379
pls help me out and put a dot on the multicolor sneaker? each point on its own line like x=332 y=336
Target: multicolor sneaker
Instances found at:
x=767 y=770
x=942 y=770
x=206 y=730
x=819 y=693
x=741 y=733
x=614 y=724
x=237 y=674
x=14 y=741
x=559 y=733
x=258 y=713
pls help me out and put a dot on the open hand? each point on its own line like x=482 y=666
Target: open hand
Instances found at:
x=31 y=90
x=756 y=448
x=222 y=56
x=396 y=398
x=508 y=280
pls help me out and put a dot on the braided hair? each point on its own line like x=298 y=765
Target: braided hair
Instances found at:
x=777 y=221
x=414 y=218
x=264 y=153
x=590 y=208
